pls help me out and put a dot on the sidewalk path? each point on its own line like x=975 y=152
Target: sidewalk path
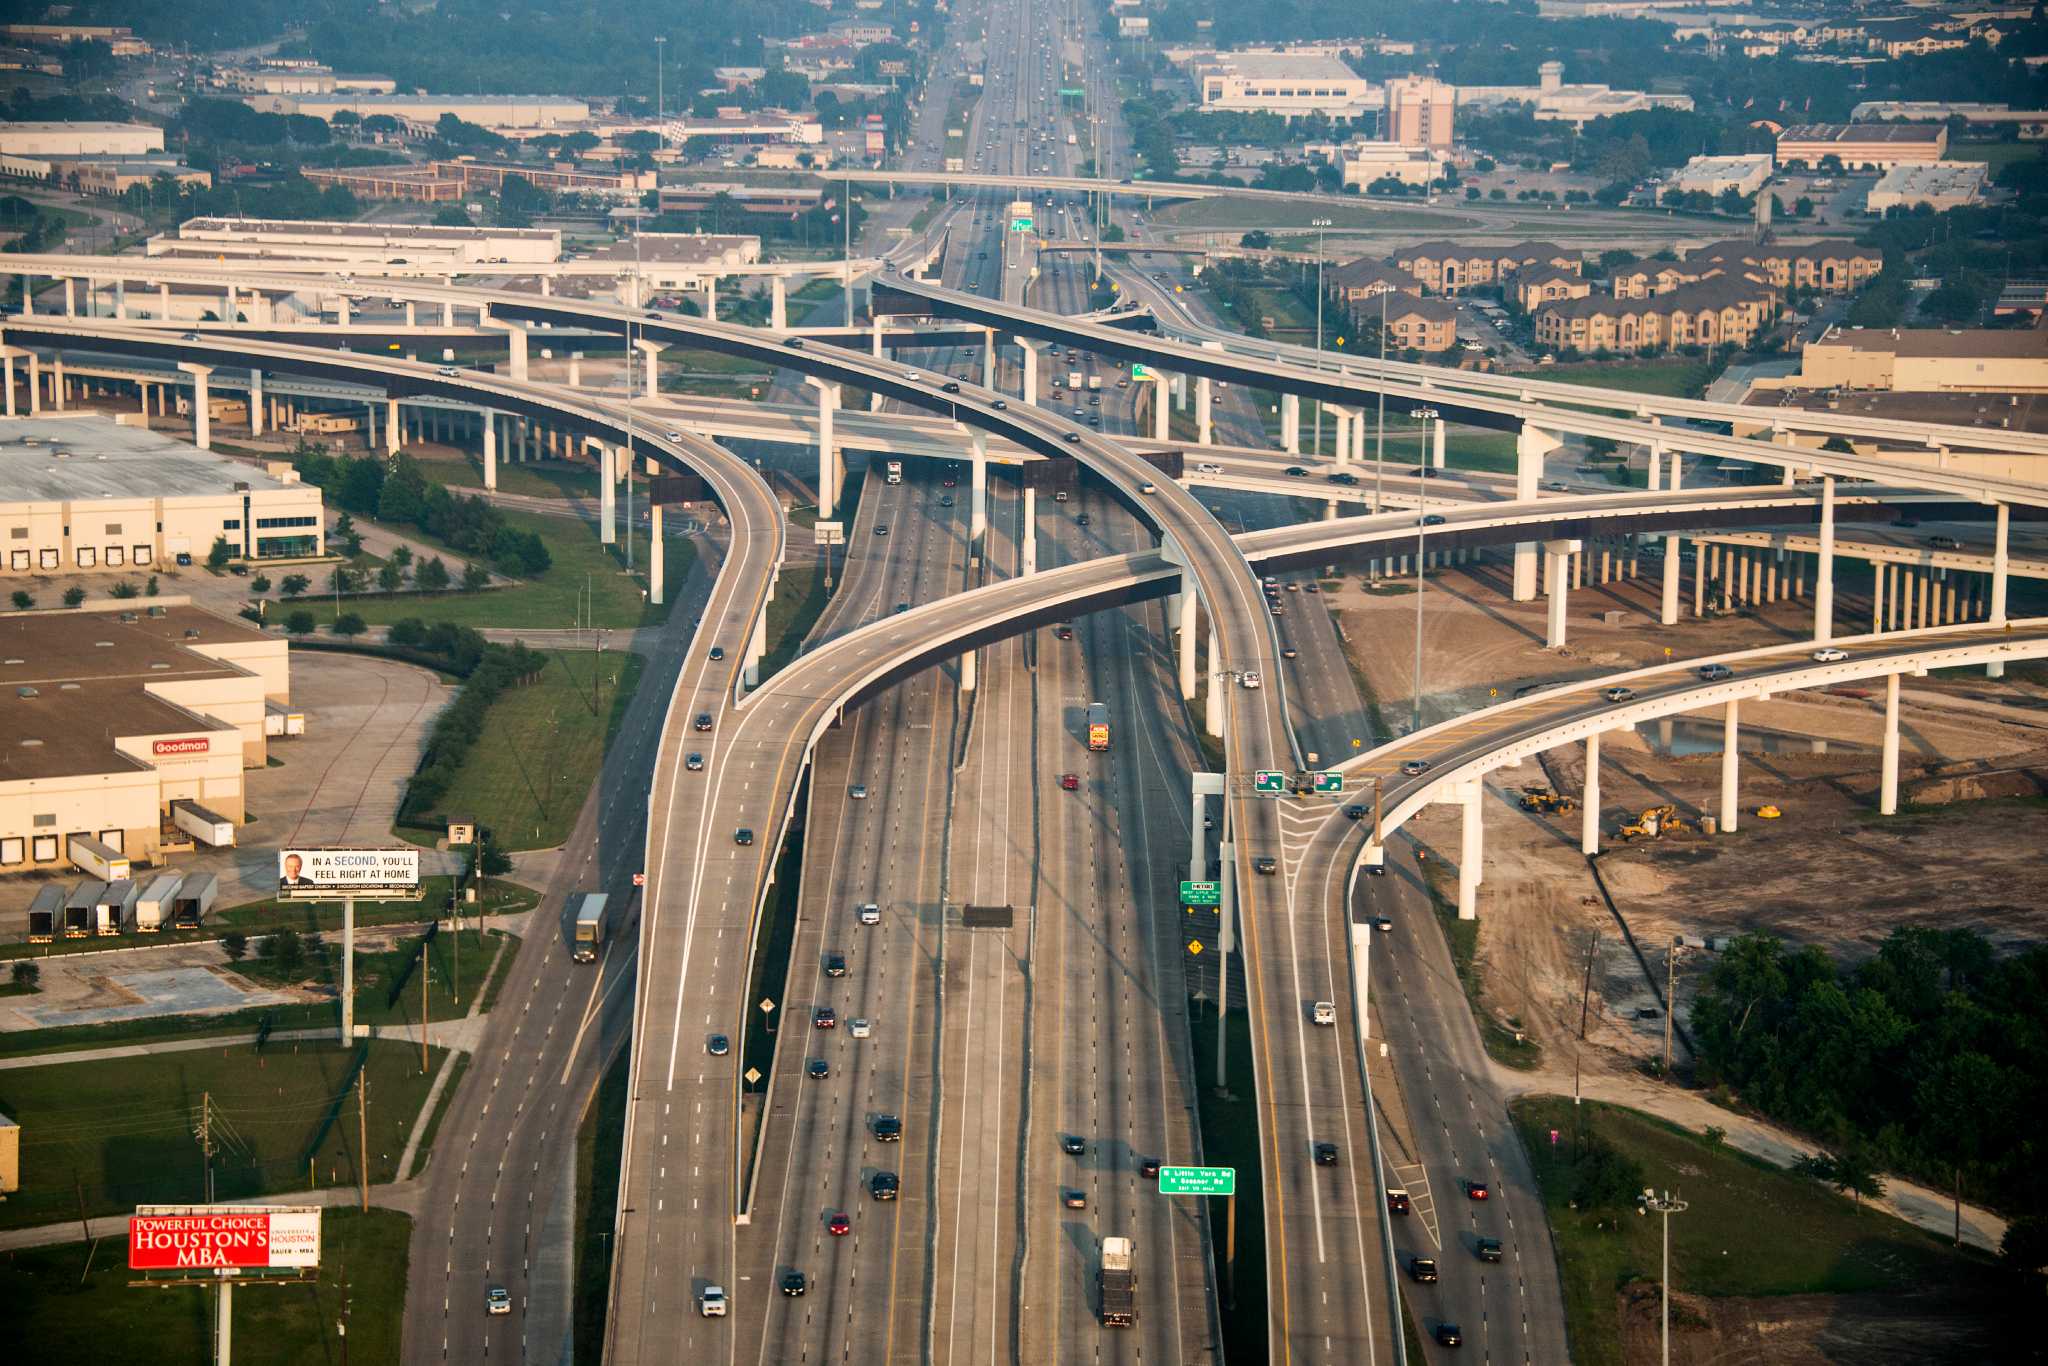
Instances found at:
x=461 y=1036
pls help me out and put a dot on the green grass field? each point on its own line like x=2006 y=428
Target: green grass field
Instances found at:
x=1230 y=1138
x=1750 y=1229
x=544 y=479
x=118 y=1132
x=73 y=1301
x=1996 y=155
x=1224 y=211
x=542 y=745
x=598 y=1141
x=396 y=970
x=1679 y=377
x=580 y=564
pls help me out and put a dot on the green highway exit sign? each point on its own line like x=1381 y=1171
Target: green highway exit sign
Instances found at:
x=1198 y=1180
x=1138 y=371
x=1330 y=782
x=1269 y=782
x=1071 y=93
x=1022 y=224
x=1201 y=894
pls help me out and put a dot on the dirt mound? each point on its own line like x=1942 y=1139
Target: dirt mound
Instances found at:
x=1805 y=1330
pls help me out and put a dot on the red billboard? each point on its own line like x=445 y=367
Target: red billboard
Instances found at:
x=197 y=744
x=224 y=1237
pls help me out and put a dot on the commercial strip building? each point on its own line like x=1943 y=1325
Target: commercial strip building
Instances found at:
x=1368 y=163
x=1717 y=175
x=755 y=126
x=111 y=713
x=82 y=494
x=80 y=139
x=1924 y=360
x=447 y=181
x=1979 y=118
x=1862 y=146
x=1940 y=185
x=118 y=37
x=1289 y=84
x=299 y=80
x=326 y=240
x=783 y=200
x=486 y=111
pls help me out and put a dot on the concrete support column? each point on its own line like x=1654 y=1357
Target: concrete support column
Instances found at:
x=7 y=375
x=1731 y=758
x=1290 y=423
x=988 y=358
x=831 y=464
x=1558 y=555
x=70 y=298
x=1999 y=565
x=778 y=303
x=202 y=426
x=608 y=493
x=1876 y=596
x=1926 y=585
x=977 y=516
x=1029 y=561
x=393 y=433
x=1162 y=416
x=448 y=314
x=1436 y=443
x=412 y=318
x=1471 y=854
x=1187 y=602
x=60 y=387
x=1589 y=799
x=575 y=369
x=340 y=307
x=1030 y=390
x=515 y=344
x=1888 y=784
x=1532 y=444
x=490 y=426
x=757 y=650
x=255 y=403
x=1212 y=718
x=711 y=298
x=1204 y=425
x=35 y=384
x=652 y=351
x=120 y=301
x=1656 y=468
x=1343 y=418
x=163 y=303
x=654 y=561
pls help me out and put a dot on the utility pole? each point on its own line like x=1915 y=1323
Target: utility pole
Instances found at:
x=660 y=70
x=206 y=1142
x=423 y=1006
x=1670 y=999
x=1318 y=224
x=363 y=1130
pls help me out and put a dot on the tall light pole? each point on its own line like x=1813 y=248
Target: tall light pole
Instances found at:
x=1423 y=417
x=1650 y=1202
x=660 y=70
x=1319 y=224
x=1379 y=440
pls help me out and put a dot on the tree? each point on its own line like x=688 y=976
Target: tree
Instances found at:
x=2025 y=1244
x=283 y=950
x=149 y=589
x=301 y=623
x=475 y=578
x=401 y=556
x=73 y=596
x=349 y=625
x=26 y=975
x=452 y=216
x=1802 y=207
x=390 y=578
x=260 y=585
x=345 y=525
x=124 y=589
x=218 y=557
x=1851 y=1172
x=23 y=600
x=431 y=576
x=341 y=580
x=234 y=944
x=295 y=584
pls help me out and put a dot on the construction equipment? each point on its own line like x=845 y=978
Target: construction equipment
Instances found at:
x=1547 y=802
x=1767 y=812
x=1655 y=821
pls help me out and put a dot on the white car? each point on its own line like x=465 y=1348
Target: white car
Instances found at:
x=1253 y=681
x=1208 y=467
x=869 y=914
x=675 y=436
x=1148 y=487
x=860 y=1029
x=1828 y=654
x=711 y=1304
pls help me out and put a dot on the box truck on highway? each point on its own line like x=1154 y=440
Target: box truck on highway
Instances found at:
x=590 y=926
x=1119 y=1284
x=892 y=473
x=44 y=913
x=1073 y=379
x=1098 y=727
x=1095 y=382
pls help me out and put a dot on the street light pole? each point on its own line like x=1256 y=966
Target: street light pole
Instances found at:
x=1667 y=1206
x=1379 y=441
x=1423 y=417
x=660 y=70
x=1318 y=224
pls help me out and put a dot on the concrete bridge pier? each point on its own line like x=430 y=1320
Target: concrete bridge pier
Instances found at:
x=1029 y=561
x=7 y=354
x=1029 y=392
x=1824 y=573
x=651 y=350
x=1532 y=444
x=757 y=643
x=1471 y=854
x=1731 y=762
x=1290 y=423
x=1204 y=424
x=608 y=492
x=1436 y=443
x=1344 y=418
x=1558 y=556
x=654 y=559
x=988 y=359
x=1212 y=718
x=1185 y=605
x=831 y=465
x=490 y=428
x=392 y=431
x=515 y=343
x=977 y=517
x=1888 y=785
x=1589 y=799
x=1673 y=563
x=202 y=413
x=778 y=303
x=1162 y=416
x=1999 y=560
x=255 y=402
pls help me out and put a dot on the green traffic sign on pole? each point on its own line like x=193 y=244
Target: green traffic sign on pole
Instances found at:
x=1022 y=224
x=1330 y=782
x=1269 y=782
x=1198 y=1181
x=1201 y=894
x=1138 y=371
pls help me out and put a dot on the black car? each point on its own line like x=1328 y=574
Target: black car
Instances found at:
x=1326 y=1154
x=883 y=1185
x=1344 y=477
x=1422 y=1269
x=794 y=343
x=1081 y=520
x=1266 y=864
x=1487 y=1249
x=1447 y=1335
x=888 y=1129
x=1433 y=519
x=818 y=1069
x=717 y=653
x=694 y=762
x=1297 y=472
x=1354 y=812
x=793 y=1283
x=1073 y=1145
x=703 y=721
x=718 y=1045
x=835 y=965
x=1072 y=438
x=1149 y=1168
x=950 y=387
x=1000 y=406
x=743 y=836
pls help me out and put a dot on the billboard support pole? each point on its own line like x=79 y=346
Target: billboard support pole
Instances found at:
x=223 y=1330
x=348 y=971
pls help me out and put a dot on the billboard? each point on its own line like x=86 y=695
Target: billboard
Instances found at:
x=224 y=1237
x=316 y=874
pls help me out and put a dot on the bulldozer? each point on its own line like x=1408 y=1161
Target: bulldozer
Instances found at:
x=1547 y=802
x=1655 y=821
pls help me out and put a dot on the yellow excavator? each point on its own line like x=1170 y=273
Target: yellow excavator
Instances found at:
x=1655 y=821
x=1547 y=802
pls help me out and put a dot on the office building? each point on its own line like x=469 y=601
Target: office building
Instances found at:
x=1939 y=185
x=1862 y=146
x=1551 y=100
x=1419 y=112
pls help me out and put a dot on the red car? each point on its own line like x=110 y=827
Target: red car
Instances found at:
x=839 y=1225
x=1070 y=781
x=1475 y=1190
x=826 y=1018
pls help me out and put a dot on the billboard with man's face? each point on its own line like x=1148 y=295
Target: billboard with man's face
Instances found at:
x=313 y=874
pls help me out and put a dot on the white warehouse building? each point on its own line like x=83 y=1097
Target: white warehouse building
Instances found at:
x=1293 y=84
x=80 y=139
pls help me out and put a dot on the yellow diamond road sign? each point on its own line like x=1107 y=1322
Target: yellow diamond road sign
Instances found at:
x=1195 y=947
